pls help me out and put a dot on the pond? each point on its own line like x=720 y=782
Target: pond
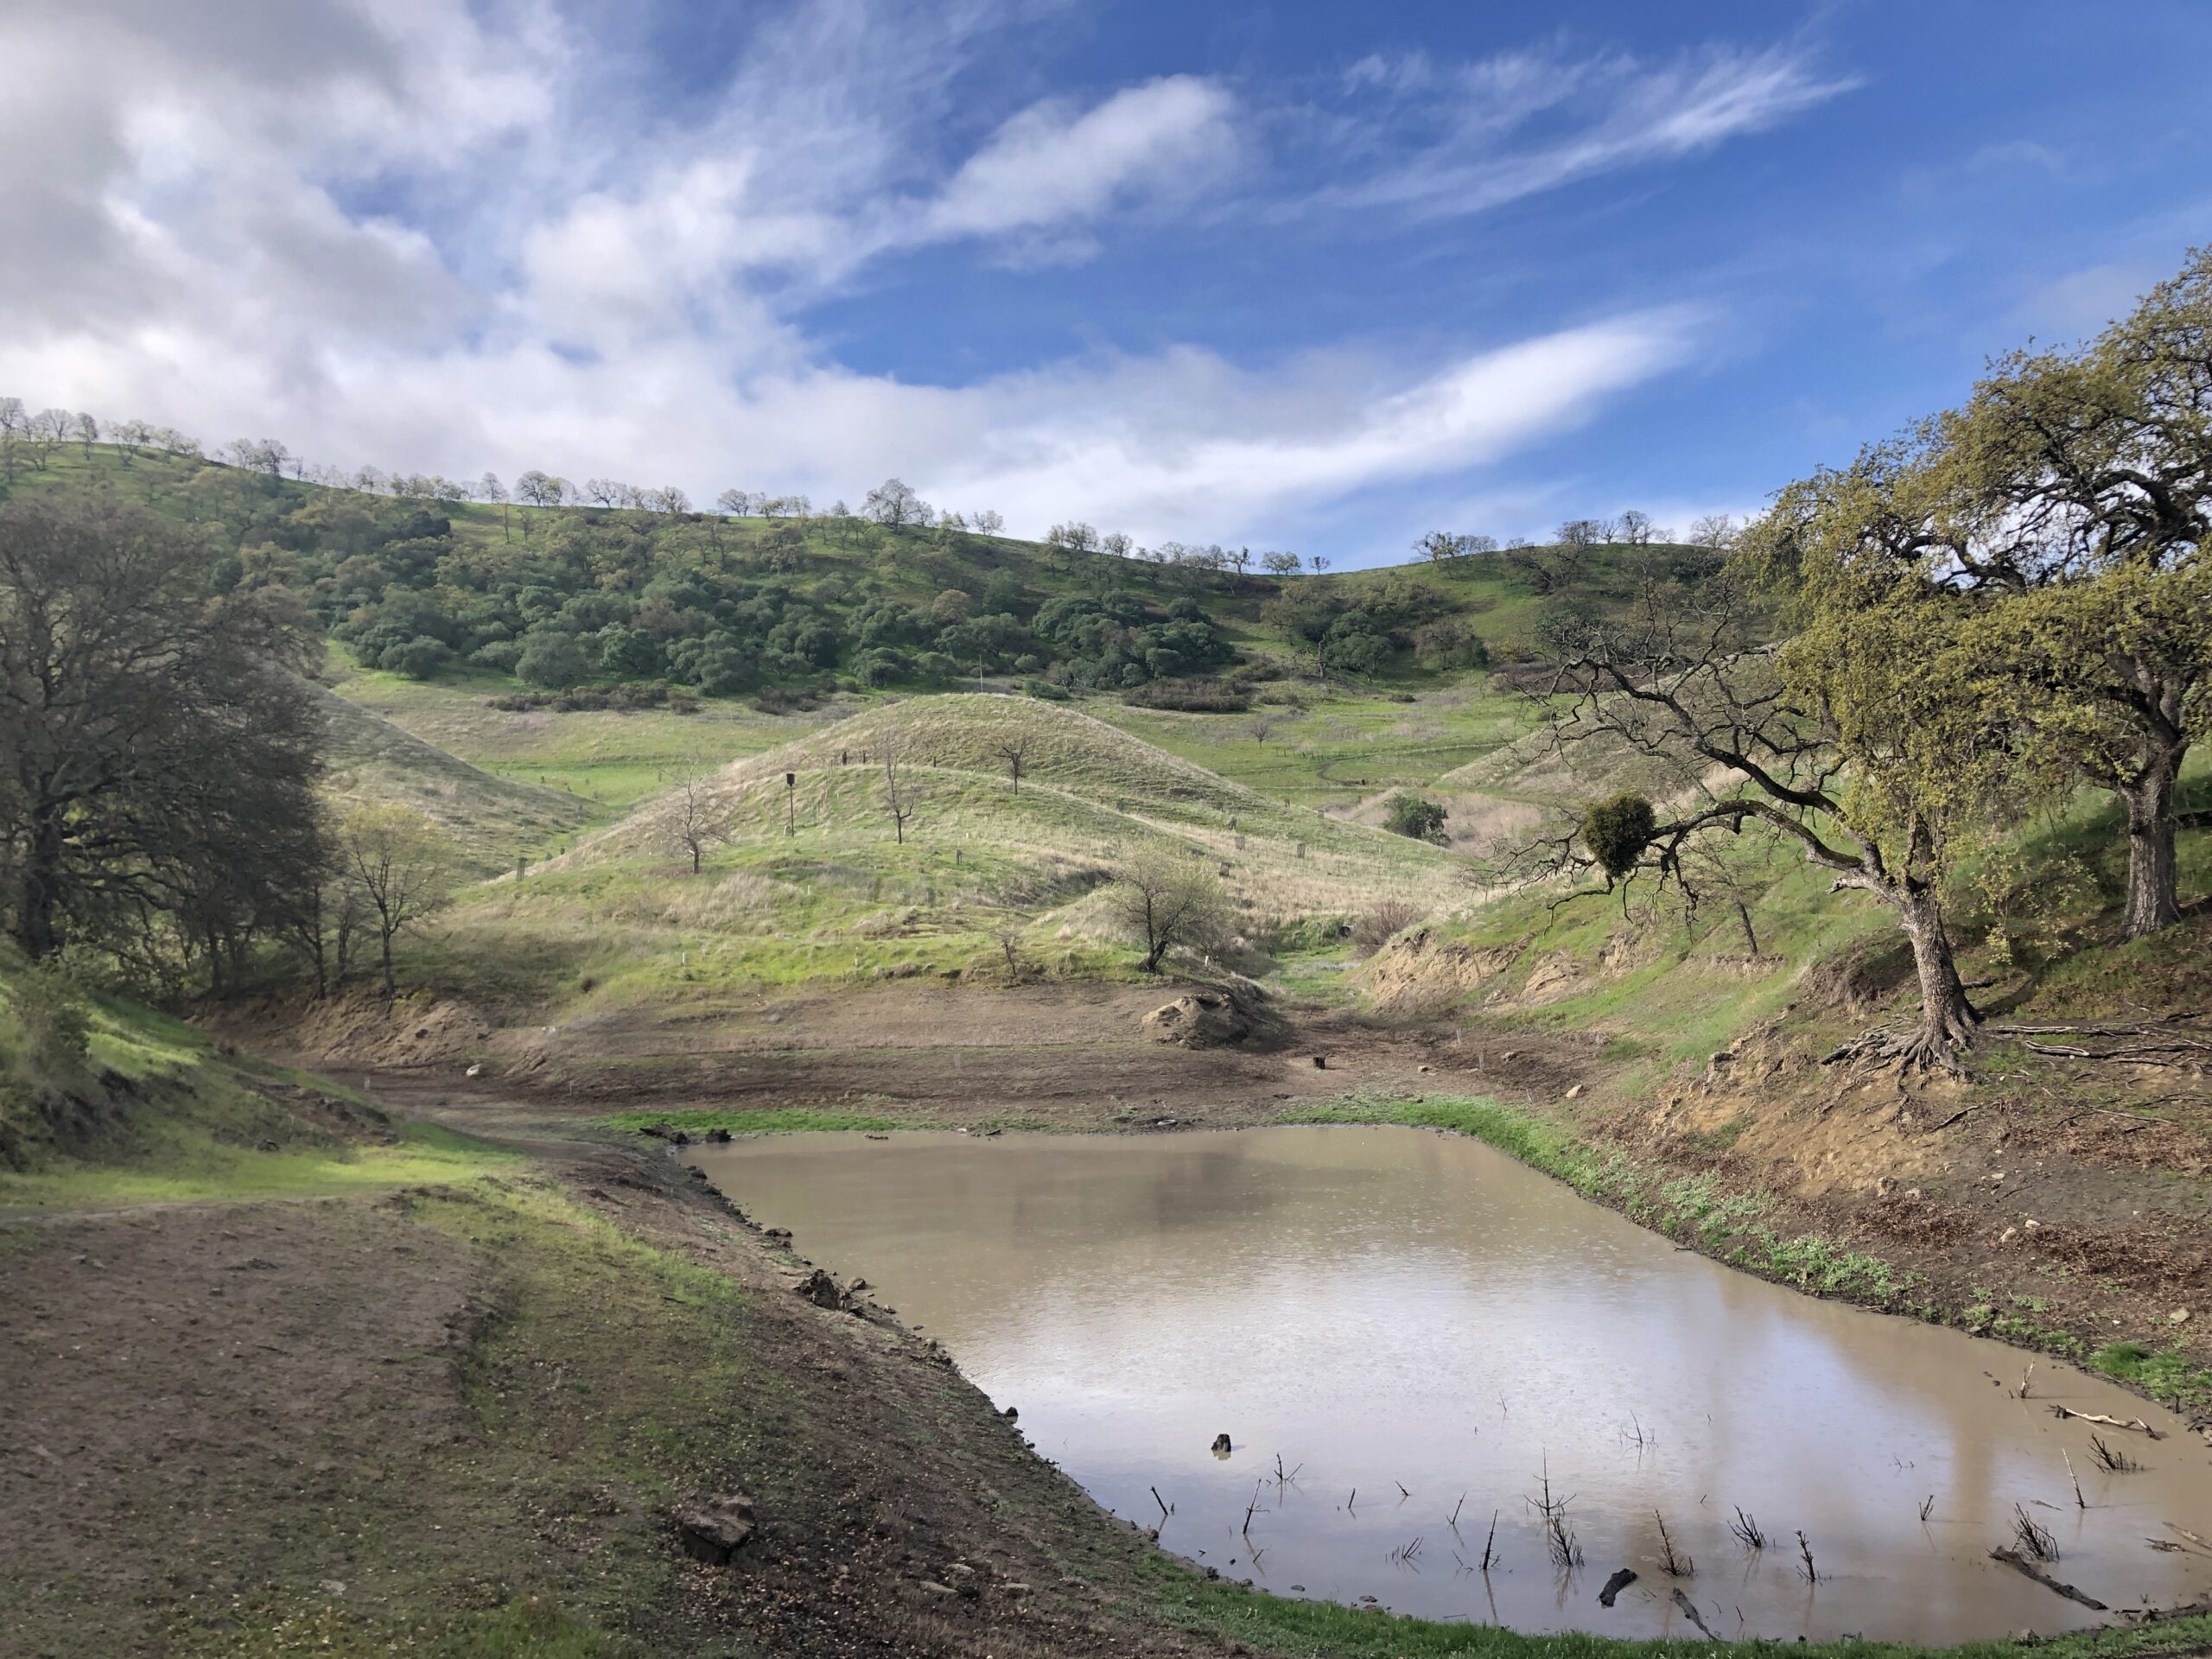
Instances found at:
x=1405 y=1334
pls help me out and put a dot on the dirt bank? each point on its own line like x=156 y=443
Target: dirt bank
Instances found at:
x=442 y=1415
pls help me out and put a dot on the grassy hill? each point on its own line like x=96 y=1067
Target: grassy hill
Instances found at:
x=493 y=821
x=991 y=882
x=729 y=605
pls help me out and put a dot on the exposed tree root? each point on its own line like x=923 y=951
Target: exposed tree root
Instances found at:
x=2166 y=1045
x=1909 y=1052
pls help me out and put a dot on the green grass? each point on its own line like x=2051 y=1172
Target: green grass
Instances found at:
x=1318 y=1629
x=778 y=1120
x=2164 y=1374
x=1346 y=745
x=608 y=758
x=181 y=1161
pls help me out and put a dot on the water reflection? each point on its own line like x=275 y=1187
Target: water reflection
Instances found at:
x=1418 y=1319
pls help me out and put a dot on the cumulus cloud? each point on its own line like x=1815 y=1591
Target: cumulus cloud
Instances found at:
x=439 y=237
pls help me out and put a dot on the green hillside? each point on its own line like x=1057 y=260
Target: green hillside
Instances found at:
x=491 y=820
x=814 y=881
x=629 y=608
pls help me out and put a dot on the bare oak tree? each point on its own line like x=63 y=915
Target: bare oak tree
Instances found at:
x=398 y=861
x=699 y=817
x=901 y=797
x=1162 y=902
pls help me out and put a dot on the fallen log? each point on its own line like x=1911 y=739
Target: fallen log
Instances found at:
x=1614 y=1586
x=2013 y=1559
x=2135 y=1423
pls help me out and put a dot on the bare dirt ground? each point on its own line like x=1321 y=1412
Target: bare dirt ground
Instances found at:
x=351 y=1419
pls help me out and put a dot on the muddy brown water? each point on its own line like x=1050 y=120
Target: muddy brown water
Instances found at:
x=1419 y=1327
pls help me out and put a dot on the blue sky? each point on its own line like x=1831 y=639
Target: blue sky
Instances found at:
x=1313 y=276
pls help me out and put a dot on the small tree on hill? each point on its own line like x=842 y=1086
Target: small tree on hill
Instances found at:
x=1015 y=748
x=699 y=817
x=1163 y=902
x=902 y=798
x=1408 y=814
x=398 y=860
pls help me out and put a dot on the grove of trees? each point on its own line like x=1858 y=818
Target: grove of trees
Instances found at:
x=2008 y=603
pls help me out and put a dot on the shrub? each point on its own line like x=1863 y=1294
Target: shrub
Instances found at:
x=1408 y=814
x=52 y=1023
x=1045 y=690
x=418 y=659
x=552 y=659
x=1206 y=696
x=1370 y=932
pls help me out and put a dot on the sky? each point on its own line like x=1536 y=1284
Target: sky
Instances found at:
x=1318 y=277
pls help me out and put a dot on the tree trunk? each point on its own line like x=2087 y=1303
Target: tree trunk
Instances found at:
x=1947 y=1019
x=1744 y=919
x=390 y=985
x=41 y=891
x=2154 y=882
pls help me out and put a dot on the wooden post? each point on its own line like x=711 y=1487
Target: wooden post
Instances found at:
x=791 y=803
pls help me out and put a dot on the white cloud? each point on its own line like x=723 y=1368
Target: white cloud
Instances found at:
x=2083 y=302
x=1049 y=164
x=411 y=234
x=1489 y=147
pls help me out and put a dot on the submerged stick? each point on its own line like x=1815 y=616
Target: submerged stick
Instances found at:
x=2135 y=1423
x=2080 y=1502
x=2013 y=1559
x=1689 y=1611
x=1493 y=1539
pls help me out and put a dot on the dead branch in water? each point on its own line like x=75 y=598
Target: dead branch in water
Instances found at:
x=1805 y=1555
x=1454 y=1522
x=1249 y=1510
x=1689 y=1611
x=1493 y=1539
x=2080 y=1502
x=1164 y=1510
x=2013 y=1559
x=1559 y=1542
x=1746 y=1532
x=2034 y=1540
x=2112 y=1458
x=1928 y=1509
x=2134 y=1423
x=1676 y=1566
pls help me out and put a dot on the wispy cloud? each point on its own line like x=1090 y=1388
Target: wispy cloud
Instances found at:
x=1479 y=136
x=1054 y=162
